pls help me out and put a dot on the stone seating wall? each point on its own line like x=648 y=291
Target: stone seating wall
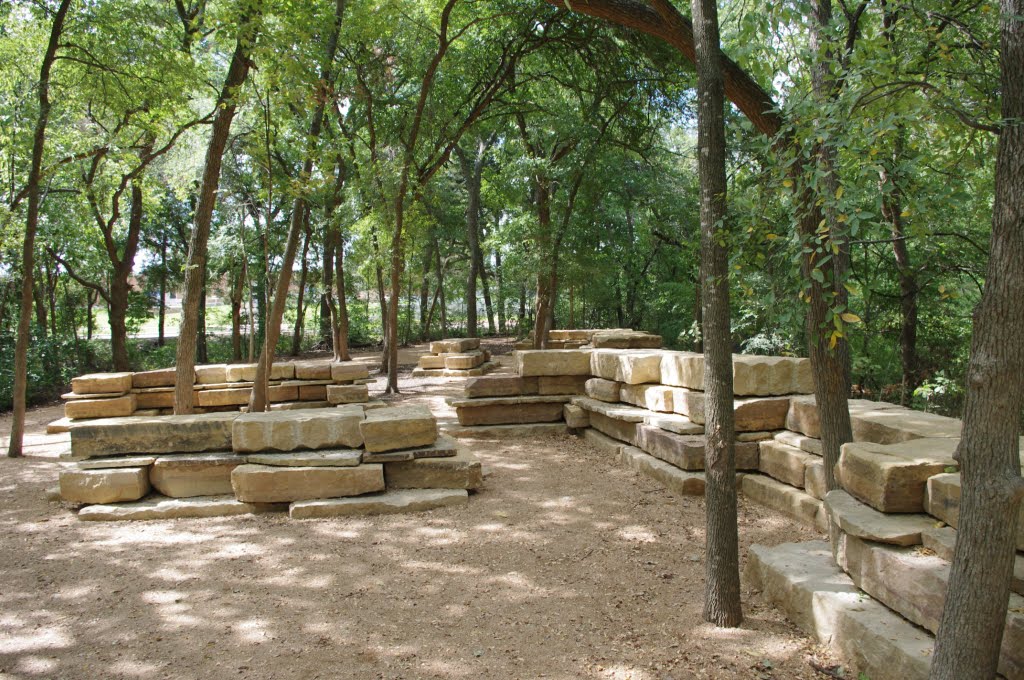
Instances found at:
x=454 y=358
x=614 y=338
x=349 y=460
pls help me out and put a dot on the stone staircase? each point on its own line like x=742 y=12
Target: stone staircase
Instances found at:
x=454 y=358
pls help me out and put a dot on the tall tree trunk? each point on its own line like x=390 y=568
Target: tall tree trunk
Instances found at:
x=162 y=311
x=521 y=317
x=19 y=389
x=443 y=309
x=258 y=400
x=39 y=300
x=300 y=312
x=91 y=296
x=485 y=284
x=970 y=631
x=722 y=565
x=336 y=241
x=195 y=270
x=341 y=349
x=118 y=313
x=428 y=257
x=236 y=314
x=499 y=276
x=202 y=346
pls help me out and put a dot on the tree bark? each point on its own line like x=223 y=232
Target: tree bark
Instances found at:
x=20 y=387
x=970 y=631
x=195 y=269
x=722 y=562
x=303 y=274
x=162 y=313
x=499 y=278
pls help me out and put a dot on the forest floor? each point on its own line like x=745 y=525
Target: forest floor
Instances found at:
x=565 y=565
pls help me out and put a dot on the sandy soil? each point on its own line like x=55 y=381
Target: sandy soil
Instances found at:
x=565 y=566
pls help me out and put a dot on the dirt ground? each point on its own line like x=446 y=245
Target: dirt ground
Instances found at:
x=564 y=566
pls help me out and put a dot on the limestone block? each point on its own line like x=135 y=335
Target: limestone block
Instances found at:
x=161 y=399
x=463 y=362
x=682 y=369
x=114 y=462
x=509 y=410
x=814 y=479
x=427 y=372
x=282 y=393
x=632 y=414
x=863 y=521
x=803 y=580
x=299 y=405
x=617 y=429
x=163 y=377
x=651 y=397
x=155 y=434
x=388 y=503
x=59 y=426
x=145 y=412
x=312 y=370
x=102 y=383
x=400 y=427
x=443 y=447
x=348 y=371
x=159 y=507
x=943 y=502
x=784 y=463
x=894 y=424
x=625 y=339
x=914 y=585
x=292 y=430
x=570 y=335
x=462 y=471
x=108 y=485
x=552 y=362
x=942 y=541
x=501 y=386
x=323 y=458
x=225 y=397
x=803 y=413
x=454 y=345
x=211 y=374
x=687 y=451
x=603 y=390
x=200 y=474
x=101 y=408
x=632 y=367
x=892 y=478
x=247 y=372
x=763 y=376
x=347 y=394
x=603 y=443
x=278 y=484
x=674 y=423
x=786 y=499
x=505 y=431
x=431 y=362
x=672 y=478
x=575 y=417
x=808 y=444
x=754 y=436
x=561 y=384
x=750 y=415
x=313 y=393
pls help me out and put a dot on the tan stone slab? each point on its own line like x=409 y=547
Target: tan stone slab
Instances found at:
x=942 y=541
x=347 y=394
x=571 y=334
x=632 y=367
x=863 y=521
x=749 y=415
x=575 y=417
x=651 y=397
x=114 y=462
x=102 y=383
x=247 y=372
x=160 y=507
x=462 y=471
x=71 y=396
x=307 y=383
x=530 y=363
x=687 y=451
x=603 y=390
x=943 y=502
x=348 y=370
x=156 y=399
x=101 y=408
x=914 y=585
x=803 y=413
x=500 y=386
x=894 y=425
x=625 y=413
x=624 y=431
x=388 y=503
x=281 y=393
x=443 y=447
x=786 y=499
x=803 y=581
x=198 y=474
x=603 y=443
x=785 y=463
x=516 y=413
x=312 y=370
x=800 y=441
x=562 y=384
x=399 y=427
x=763 y=375
x=481 y=370
x=324 y=458
x=313 y=393
x=224 y=397
x=756 y=436
x=464 y=362
x=814 y=479
x=301 y=429
x=672 y=478
x=674 y=423
x=505 y=432
x=454 y=345
x=431 y=362
x=301 y=405
x=60 y=426
x=277 y=484
x=211 y=374
x=156 y=434
x=163 y=377
x=625 y=340
x=891 y=478
x=107 y=485
x=682 y=369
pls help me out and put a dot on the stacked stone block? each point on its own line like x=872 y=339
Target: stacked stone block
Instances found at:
x=454 y=358
x=311 y=463
x=620 y=338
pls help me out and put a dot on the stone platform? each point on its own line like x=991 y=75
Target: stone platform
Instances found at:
x=454 y=358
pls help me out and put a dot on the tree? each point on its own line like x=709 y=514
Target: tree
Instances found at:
x=31 y=225
x=970 y=631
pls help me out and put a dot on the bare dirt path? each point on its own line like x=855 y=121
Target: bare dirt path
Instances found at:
x=565 y=566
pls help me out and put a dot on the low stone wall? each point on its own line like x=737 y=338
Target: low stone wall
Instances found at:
x=454 y=358
x=619 y=338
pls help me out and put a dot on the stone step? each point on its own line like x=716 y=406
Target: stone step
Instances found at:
x=443 y=447
x=387 y=503
x=575 y=417
x=892 y=478
x=333 y=428
x=672 y=478
x=509 y=410
x=500 y=386
x=465 y=361
x=914 y=585
x=789 y=501
x=803 y=413
x=60 y=426
x=800 y=441
x=111 y=407
x=529 y=363
x=751 y=414
x=276 y=484
x=687 y=451
x=155 y=434
x=943 y=502
x=211 y=374
x=658 y=398
x=114 y=462
x=603 y=443
x=160 y=507
x=247 y=372
x=197 y=474
x=102 y=383
x=863 y=521
x=398 y=427
x=803 y=581
x=163 y=377
x=328 y=458
x=348 y=371
x=785 y=463
x=348 y=394
x=312 y=370
x=629 y=339
x=108 y=485
x=431 y=362
x=561 y=385
x=499 y=432
x=942 y=541
x=453 y=345
x=461 y=471
x=603 y=390
x=632 y=367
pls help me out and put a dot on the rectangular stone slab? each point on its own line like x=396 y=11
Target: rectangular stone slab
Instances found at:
x=112 y=485
x=160 y=507
x=500 y=386
x=101 y=408
x=197 y=474
x=388 y=503
x=603 y=390
x=677 y=481
x=561 y=384
x=273 y=484
x=313 y=393
x=247 y=372
x=651 y=397
x=464 y=362
x=552 y=362
x=682 y=369
x=312 y=370
x=102 y=383
x=784 y=463
x=431 y=362
x=575 y=417
x=114 y=462
x=632 y=367
x=863 y=521
x=509 y=410
x=163 y=377
x=328 y=458
x=763 y=376
x=622 y=430
x=454 y=345
x=213 y=373
x=224 y=397
x=943 y=502
x=800 y=441
x=687 y=451
x=786 y=499
x=347 y=394
x=294 y=430
x=443 y=447
x=153 y=434
x=400 y=427
x=462 y=471
x=894 y=425
x=157 y=399
x=603 y=443
x=341 y=371
x=891 y=478
x=674 y=423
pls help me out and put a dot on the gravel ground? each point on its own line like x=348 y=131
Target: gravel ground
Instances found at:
x=564 y=566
